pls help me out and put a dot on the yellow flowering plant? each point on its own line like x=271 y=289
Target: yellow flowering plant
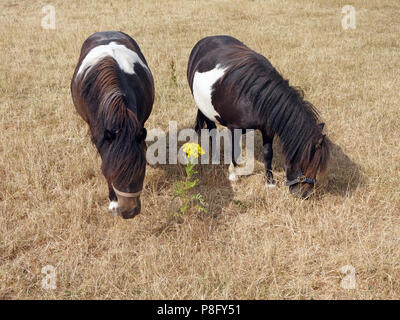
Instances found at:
x=192 y=150
x=196 y=201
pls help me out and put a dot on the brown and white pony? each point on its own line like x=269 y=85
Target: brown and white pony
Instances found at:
x=239 y=88
x=113 y=91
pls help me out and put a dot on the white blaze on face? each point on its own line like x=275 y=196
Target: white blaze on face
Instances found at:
x=126 y=58
x=113 y=206
x=202 y=90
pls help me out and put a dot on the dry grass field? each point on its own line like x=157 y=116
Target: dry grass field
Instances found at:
x=253 y=243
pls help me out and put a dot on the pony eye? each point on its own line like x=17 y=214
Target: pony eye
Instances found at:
x=109 y=135
x=142 y=136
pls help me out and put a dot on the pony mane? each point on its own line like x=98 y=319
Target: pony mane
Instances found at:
x=282 y=106
x=124 y=158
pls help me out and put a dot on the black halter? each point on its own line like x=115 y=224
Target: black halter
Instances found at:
x=301 y=178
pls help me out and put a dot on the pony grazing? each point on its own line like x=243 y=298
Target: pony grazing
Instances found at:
x=113 y=91
x=240 y=89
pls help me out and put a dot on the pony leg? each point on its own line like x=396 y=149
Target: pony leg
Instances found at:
x=236 y=152
x=113 y=201
x=268 y=154
x=213 y=138
x=201 y=119
x=240 y=166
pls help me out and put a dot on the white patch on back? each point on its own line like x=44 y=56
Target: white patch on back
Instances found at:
x=202 y=90
x=126 y=58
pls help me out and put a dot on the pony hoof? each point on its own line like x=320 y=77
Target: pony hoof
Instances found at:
x=232 y=177
x=270 y=185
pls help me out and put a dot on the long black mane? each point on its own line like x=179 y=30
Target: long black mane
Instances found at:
x=280 y=105
x=115 y=128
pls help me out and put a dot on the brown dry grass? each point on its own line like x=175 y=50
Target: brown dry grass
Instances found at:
x=254 y=243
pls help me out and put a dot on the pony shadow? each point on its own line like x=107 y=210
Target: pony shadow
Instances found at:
x=213 y=185
x=342 y=177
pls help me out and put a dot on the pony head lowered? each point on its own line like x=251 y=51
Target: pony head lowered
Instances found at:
x=118 y=135
x=306 y=148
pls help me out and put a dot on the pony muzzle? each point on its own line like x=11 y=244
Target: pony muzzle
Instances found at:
x=128 y=203
x=301 y=186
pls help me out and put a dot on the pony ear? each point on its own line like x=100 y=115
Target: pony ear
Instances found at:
x=142 y=135
x=320 y=140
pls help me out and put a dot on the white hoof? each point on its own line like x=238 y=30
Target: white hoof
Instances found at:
x=270 y=185
x=232 y=177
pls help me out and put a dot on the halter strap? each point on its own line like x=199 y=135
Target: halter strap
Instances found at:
x=127 y=194
x=301 y=178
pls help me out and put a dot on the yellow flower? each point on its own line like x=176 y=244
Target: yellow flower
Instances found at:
x=192 y=150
